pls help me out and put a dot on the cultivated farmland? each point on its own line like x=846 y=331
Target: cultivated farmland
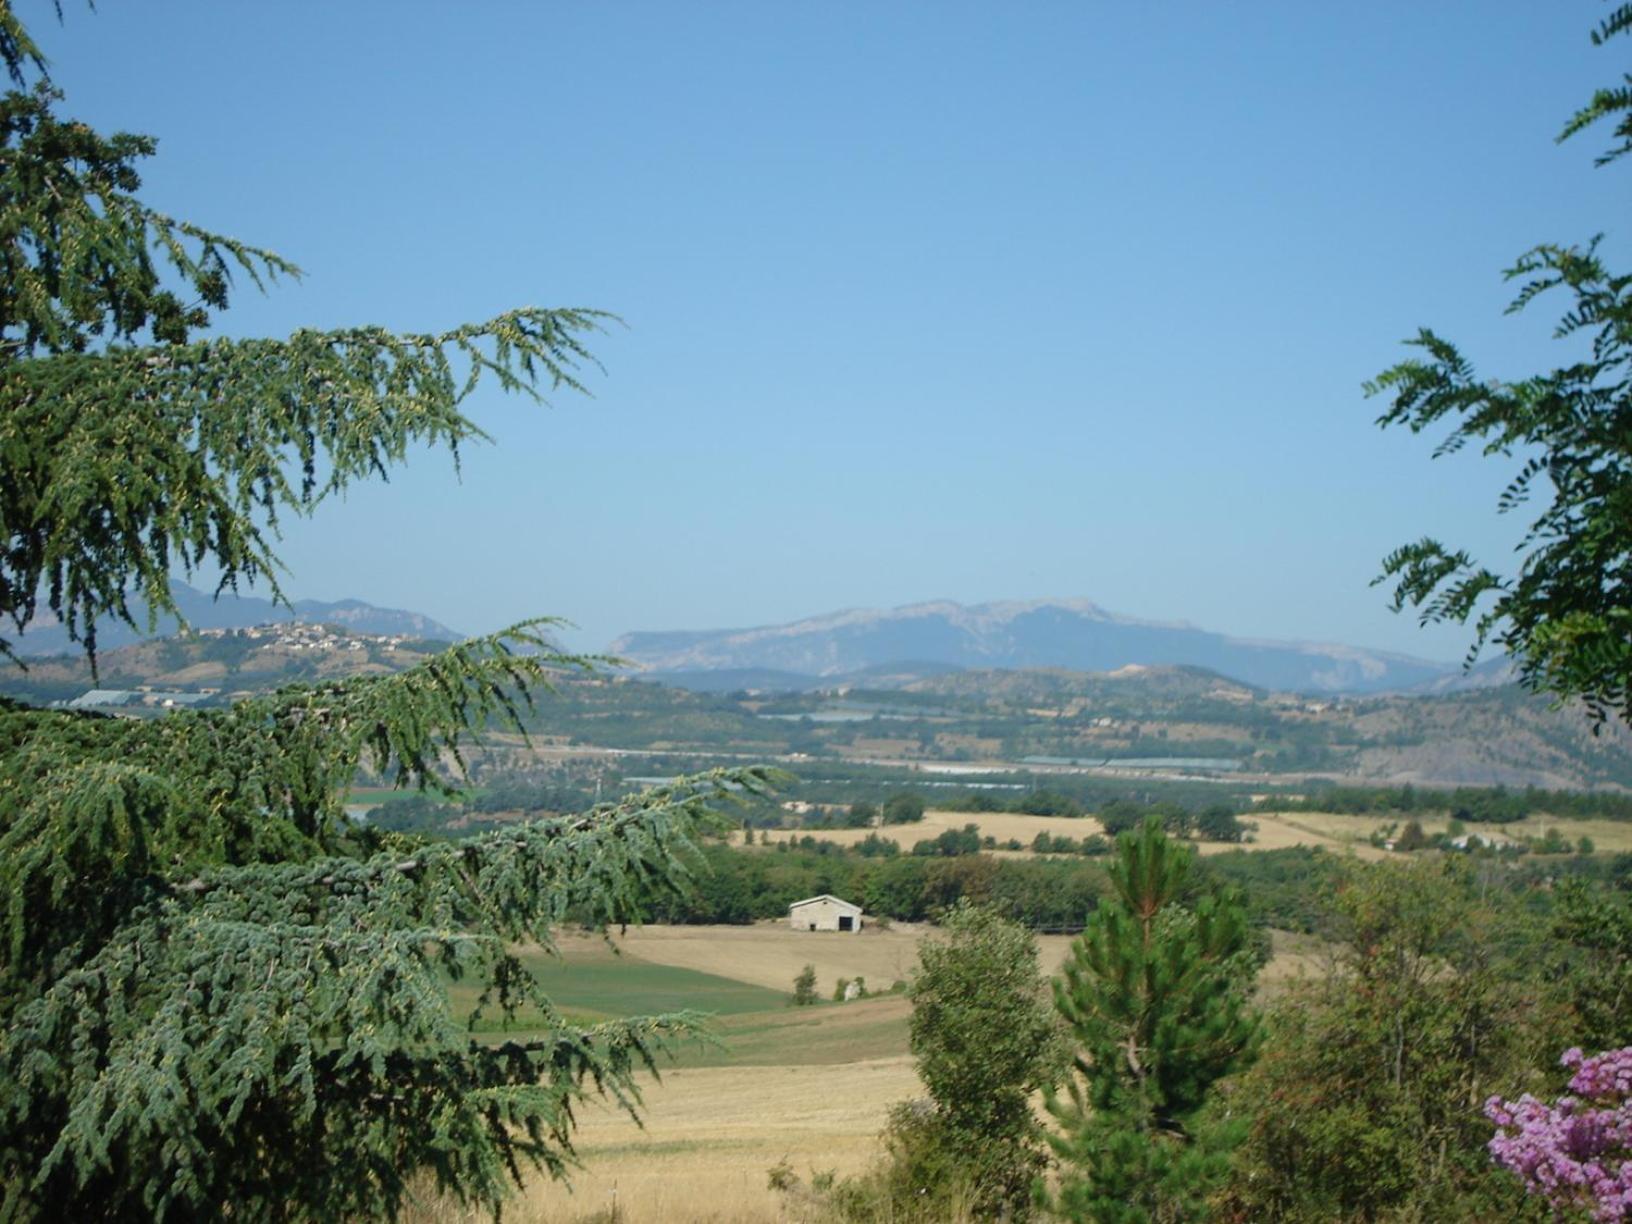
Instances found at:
x=1004 y=826
x=807 y=1085
x=1275 y=831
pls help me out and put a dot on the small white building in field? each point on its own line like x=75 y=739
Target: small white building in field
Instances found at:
x=824 y=913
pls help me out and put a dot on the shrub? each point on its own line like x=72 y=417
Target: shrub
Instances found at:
x=1217 y=822
x=804 y=987
x=1047 y=803
x=903 y=808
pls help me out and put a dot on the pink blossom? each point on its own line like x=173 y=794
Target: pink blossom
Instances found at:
x=1576 y=1152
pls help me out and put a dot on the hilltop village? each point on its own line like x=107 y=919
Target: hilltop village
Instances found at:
x=214 y=667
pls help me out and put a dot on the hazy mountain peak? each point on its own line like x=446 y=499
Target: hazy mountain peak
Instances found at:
x=1069 y=633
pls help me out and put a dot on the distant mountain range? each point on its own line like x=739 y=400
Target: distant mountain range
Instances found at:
x=1065 y=633
x=204 y=611
x=877 y=648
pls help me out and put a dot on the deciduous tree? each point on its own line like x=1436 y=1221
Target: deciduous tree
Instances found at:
x=1565 y=612
x=1365 y=1101
x=984 y=1041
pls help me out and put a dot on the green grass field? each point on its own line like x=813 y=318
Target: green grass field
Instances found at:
x=596 y=984
x=826 y=1035
x=753 y=1026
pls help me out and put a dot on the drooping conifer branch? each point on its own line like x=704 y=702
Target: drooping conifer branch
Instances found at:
x=131 y=447
x=219 y=997
x=214 y=439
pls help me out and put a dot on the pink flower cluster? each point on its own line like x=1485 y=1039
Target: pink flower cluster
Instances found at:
x=1576 y=1152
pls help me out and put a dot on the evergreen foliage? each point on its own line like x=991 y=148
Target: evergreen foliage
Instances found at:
x=131 y=446
x=1154 y=996
x=219 y=997
x=1565 y=615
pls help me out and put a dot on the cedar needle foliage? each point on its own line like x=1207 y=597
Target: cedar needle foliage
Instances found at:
x=131 y=446
x=219 y=997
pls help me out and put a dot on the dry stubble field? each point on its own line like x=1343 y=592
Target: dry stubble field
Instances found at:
x=1275 y=831
x=811 y=1086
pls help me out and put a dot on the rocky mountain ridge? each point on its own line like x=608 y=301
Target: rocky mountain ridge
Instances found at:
x=1068 y=633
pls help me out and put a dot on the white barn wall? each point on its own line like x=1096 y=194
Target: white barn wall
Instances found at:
x=824 y=913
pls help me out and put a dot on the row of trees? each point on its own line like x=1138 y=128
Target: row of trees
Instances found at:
x=1212 y=821
x=1471 y=804
x=735 y=886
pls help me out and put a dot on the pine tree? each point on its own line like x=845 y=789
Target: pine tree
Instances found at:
x=1154 y=996
x=219 y=997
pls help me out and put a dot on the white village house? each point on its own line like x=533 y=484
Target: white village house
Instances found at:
x=824 y=913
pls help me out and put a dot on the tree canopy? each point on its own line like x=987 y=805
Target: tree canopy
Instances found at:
x=984 y=1040
x=1565 y=613
x=219 y=995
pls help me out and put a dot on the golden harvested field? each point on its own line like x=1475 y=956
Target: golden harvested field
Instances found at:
x=1293 y=956
x=1350 y=832
x=1613 y=836
x=710 y=1136
x=1279 y=831
x=811 y=1086
x=1001 y=825
x=769 y=954
x=1276 y=831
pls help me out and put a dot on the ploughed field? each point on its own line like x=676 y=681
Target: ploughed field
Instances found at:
x=807 y=1085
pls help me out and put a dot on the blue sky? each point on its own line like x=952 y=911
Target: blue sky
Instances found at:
x=923 y=300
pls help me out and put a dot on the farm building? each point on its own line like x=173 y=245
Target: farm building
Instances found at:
x=824 y=913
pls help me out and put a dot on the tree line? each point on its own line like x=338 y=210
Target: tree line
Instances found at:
x=1471 y=804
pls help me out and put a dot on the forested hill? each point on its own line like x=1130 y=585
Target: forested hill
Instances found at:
x=1493 y=735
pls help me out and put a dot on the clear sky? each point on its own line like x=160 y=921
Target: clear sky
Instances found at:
x=923 y=300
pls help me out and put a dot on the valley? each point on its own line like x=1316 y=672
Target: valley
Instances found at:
x=1139 y=726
